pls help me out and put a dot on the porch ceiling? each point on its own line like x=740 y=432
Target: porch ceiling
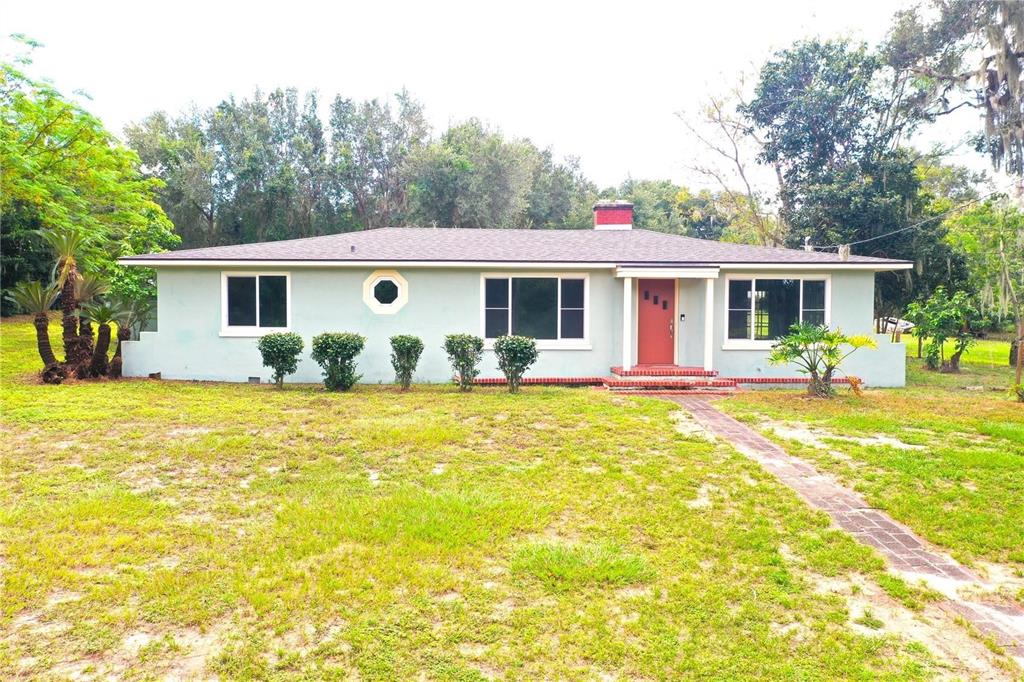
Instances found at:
x=667 y=273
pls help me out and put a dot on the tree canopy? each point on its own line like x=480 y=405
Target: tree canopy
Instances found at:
x=60 y=169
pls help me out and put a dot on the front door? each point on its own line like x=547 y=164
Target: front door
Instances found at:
x=656 y=310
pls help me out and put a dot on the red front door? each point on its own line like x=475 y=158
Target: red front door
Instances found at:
x=656 y=300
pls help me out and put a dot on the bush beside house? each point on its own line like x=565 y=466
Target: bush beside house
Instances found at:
x=405 y=355
x=515 y=355
x=280 y=351
x=465 y=352
x=336 y=353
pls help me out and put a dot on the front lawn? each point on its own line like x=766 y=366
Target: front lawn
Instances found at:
x=944 y=455
x=151 y=528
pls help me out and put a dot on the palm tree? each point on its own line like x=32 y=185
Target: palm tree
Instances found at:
x=36 y=300
x=88 y=288
x=67 y=245
x=102 y=313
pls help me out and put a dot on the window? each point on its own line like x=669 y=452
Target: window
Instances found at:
x=255 y=303
x=547 y=308
x=765 y=309
x=385 y=292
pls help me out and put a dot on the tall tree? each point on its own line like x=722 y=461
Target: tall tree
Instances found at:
x=371 y=146
x=61 y=170
x=969 y=53
x=991 y=236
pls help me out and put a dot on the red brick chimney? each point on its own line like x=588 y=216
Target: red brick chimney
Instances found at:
x=613 y=215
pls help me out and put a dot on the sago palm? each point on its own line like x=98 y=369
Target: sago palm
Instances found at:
x=67 y=246
x=102 y=313
x=88 y=288
x=36 y=300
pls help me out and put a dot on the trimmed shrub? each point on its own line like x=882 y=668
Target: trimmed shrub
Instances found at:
x=405 y=355
x=336 y=353
x=515 y=355
x=465 y=352
x=280 y=351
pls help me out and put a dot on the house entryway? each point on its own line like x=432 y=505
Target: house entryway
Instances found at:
x=656 y=311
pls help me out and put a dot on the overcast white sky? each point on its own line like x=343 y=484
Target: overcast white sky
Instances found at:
x=601 y=81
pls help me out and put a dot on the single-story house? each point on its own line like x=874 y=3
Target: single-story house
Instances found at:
x=611 y=303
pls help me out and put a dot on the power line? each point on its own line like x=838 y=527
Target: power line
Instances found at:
x=951 y=211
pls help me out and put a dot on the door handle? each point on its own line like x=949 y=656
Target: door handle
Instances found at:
x=671 y=329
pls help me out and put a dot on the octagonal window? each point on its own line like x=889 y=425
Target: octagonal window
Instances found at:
x=385 y=291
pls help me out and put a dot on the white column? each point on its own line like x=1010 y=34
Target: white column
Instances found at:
x=709 y=322
x=627 y=322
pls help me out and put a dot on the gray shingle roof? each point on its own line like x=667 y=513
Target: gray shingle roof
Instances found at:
x=621 y=247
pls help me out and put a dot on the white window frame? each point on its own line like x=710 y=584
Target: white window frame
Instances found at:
x=542 y=344
x=375 y=278
x=751 y=343
x=249 y=331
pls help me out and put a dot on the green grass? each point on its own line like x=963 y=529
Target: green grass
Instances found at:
x=152 y=527
x=961 y=486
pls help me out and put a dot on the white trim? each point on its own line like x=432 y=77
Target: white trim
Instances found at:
x=627 y=323
x=371 y=282
x=709 y=322
x=666 y=273
x=542 y=344
x=257 y=331
x=614 y=226
x=518 y=265
x=765 y=344
x=676 y=329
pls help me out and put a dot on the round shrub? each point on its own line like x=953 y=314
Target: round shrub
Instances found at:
x=515 y=355
x=405 y=355
x=336 y=353
x=280 y=351
x=465 y=352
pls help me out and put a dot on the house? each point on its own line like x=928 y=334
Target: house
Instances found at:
x=609 y=304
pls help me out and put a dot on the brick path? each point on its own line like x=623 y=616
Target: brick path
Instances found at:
x=903 y=550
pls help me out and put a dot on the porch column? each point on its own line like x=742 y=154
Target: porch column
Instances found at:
x=709 y=321
x=627 y=322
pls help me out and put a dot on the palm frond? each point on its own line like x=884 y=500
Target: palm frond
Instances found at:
x=89 y=287
x=33 y=297
x=102 y=312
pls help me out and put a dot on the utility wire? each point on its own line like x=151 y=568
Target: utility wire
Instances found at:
x=919 y=224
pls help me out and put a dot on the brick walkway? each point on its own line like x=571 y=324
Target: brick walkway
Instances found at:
x=903 y=550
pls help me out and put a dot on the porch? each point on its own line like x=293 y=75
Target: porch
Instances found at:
x=667 y=322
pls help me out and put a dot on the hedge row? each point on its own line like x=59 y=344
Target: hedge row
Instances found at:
x=336 y=354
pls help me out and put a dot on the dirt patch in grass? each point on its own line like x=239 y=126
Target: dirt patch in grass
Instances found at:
x=817 y=437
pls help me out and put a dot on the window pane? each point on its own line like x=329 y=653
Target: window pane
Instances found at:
x=814 y=295
x=535 y=307
x=572 y=293
x=572 y=324
x=496 y=293
x=385 y=291
x=495 y=322
x=739 y=294
x=273 y=301
x=739 y=324
x=777 y=307
x=814 y=317
x=241 y=301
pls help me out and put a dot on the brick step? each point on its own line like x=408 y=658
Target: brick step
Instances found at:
x=652 y=371
x=669 y=384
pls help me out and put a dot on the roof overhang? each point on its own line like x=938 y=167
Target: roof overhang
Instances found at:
x=841 y=265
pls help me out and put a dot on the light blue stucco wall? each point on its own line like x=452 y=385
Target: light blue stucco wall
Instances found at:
x=188 y=344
